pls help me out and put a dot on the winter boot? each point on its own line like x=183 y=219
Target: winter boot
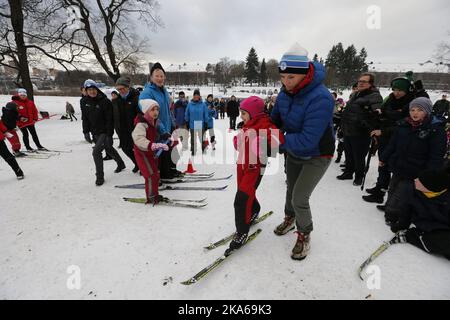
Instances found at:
x=41 y=148
x=100 y=180
x=338 y=159
x=120 y=167
x=381 y=208
x=345 y=176
x=254 y=217
x=19 y=154
x=376 y=195
x=302 y=246
x=358 y=181
x=135 y=169
x=19 y=174
x=107 y=157
x=286 y=226
x=238 y=241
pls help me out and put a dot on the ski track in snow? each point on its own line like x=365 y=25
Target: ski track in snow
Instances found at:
x=57 y=218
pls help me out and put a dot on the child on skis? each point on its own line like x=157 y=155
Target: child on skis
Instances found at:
x=254 y=143
x=145 y=135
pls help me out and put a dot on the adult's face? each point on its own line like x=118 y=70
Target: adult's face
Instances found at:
x=196 y=98
x=364 y=83
x=182 y=97
x=158 y=77
x=91 y=92
x=291 y=81
x=398 y=94
x=123 y=90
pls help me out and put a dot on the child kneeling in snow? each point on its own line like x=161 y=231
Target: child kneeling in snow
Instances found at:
x=145 y=135
x=255 y=141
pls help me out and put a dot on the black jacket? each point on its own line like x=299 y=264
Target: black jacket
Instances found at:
x=426 y=214
x=393 y=110
x=97 y=115
x=125 y=113
x=411 y=151
x=441 y=108
x=233 y=109
x=10 y=118
x=360 y=116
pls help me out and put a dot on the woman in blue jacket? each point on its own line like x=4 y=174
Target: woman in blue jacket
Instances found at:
x=304 y=111
x=155 y=90
x=197 y=117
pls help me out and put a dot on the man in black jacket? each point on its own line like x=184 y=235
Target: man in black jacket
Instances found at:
x=233 y=112
x=128 y=109
x=394 y=109
x=429 y=210
x=98 y=118
x=359 y=119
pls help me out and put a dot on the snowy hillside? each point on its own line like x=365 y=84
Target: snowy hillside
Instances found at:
x=57 y=218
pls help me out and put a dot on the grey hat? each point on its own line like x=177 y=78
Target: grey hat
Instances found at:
x=123 y=81
x=423 y=103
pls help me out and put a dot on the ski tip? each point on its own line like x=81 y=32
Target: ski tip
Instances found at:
x=188 y=282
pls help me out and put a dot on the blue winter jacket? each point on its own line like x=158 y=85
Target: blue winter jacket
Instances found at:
x=197 y=115
x=179 y=112
x=212 y=114
x=307 y=118
x=160 y=95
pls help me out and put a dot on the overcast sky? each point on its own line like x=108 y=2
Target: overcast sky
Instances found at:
x=202 y=31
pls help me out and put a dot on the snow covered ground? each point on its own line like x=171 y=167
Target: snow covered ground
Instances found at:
x=57 y=218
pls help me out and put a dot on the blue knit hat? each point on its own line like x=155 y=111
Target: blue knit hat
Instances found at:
x=90 y=84
x=295 y=61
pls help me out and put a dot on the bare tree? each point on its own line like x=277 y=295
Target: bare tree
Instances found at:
x=443 y=52
x=24 y=39
x=108 y=31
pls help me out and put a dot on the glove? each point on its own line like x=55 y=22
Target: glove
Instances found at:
x=8 y=135
x=240 y=125
x=87 y=137
x=23 y=119
x=159 y=146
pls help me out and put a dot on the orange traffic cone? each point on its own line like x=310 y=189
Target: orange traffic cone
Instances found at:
x=190 y=168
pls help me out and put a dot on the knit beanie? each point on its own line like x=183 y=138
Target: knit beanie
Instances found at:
x=21 y=92
x=89 y=83
x=423 y=103
x=401 y=84
x=11 y=106
x=157 y=66
x=295 y=61
x=253 y=105
x=147 y=104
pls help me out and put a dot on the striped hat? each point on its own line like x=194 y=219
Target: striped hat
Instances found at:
x=295 y=61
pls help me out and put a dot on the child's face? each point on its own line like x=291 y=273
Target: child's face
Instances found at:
x=154 y=113
x=245 y=116
x=417 y=114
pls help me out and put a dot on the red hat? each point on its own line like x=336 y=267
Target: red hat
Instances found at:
x=253 y=105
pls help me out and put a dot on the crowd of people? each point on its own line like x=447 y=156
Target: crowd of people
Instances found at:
x=302 y=122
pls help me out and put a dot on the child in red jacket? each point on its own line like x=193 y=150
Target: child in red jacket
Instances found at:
x=255 y=142
x=5 y=154
x=145 y=135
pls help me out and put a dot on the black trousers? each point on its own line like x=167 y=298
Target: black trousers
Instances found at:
x=8 y=157
x=356 y=150
x=436 y=241
x=384 y=175
x=233 y=123
x=168 y=163
x=104 y=142
x=72 y=115
x=26 y=139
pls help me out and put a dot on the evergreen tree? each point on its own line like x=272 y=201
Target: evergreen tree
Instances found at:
x=251 y=66
x=263 y=73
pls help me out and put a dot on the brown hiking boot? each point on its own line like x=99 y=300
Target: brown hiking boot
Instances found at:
x=285 y=227
x=302 y=247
